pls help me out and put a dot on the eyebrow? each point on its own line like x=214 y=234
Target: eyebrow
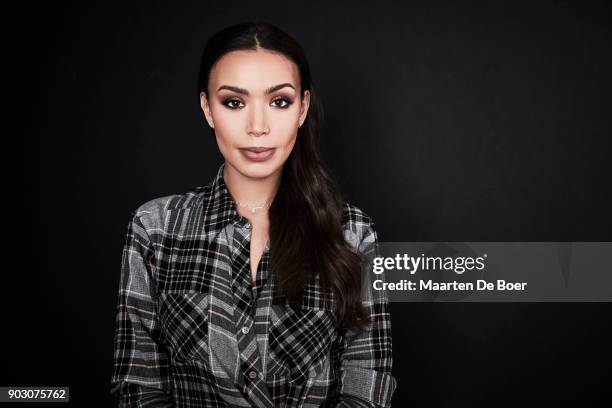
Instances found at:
x=245 y=92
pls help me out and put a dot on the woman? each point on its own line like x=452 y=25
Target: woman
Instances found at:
x=249 y=291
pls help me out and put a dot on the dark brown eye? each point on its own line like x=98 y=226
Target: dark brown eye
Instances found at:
x=232 y=103
x=282 y=103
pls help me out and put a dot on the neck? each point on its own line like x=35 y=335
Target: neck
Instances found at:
x=251 y=191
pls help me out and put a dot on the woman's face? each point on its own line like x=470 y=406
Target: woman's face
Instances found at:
x=254 y=102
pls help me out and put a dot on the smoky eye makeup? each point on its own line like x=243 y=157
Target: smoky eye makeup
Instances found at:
x=280 y=102
x=231 y=103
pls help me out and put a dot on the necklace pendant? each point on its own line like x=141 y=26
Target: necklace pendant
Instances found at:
x=253 y=210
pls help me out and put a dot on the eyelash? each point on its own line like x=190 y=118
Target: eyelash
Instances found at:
x=288 y=103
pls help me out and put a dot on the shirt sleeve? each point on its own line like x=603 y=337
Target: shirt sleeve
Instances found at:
x=366 y=360
x=140 y=363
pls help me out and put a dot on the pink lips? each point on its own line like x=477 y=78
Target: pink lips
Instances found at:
x=258 y=153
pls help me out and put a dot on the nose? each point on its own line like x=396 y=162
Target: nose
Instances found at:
x=258 y=121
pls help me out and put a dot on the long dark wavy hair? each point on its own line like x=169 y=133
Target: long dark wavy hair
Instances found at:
x=306 y=234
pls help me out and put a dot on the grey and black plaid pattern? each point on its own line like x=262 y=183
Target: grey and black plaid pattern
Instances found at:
x=193 y=330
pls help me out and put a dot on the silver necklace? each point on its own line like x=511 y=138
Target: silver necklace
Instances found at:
x=253 y=209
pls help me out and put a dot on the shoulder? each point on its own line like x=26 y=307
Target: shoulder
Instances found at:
x=154 y=212
x=357 y=225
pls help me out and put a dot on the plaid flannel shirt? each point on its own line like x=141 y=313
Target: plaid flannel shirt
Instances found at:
x=192 y=330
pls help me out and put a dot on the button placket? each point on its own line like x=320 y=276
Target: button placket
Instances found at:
x=246 y=331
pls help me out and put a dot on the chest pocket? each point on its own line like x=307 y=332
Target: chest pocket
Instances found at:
x=300 y=340
x=184 y=322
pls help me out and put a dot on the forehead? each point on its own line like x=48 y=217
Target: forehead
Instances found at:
x=254 y=70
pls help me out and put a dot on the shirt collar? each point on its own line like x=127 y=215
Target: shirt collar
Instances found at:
x=220 y=209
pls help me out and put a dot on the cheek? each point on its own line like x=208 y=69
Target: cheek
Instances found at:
x=226 y=129
x=286 y=128
x=287 y=141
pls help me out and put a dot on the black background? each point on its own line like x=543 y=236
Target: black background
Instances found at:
x=443 y=121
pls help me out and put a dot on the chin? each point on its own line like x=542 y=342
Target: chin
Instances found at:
x=258 y=169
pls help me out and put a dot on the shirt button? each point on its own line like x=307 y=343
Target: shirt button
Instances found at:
x=245 y=329
x=252 y=375
x=248 y=225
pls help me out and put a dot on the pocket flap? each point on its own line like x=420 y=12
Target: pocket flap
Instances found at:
x=184 y=321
